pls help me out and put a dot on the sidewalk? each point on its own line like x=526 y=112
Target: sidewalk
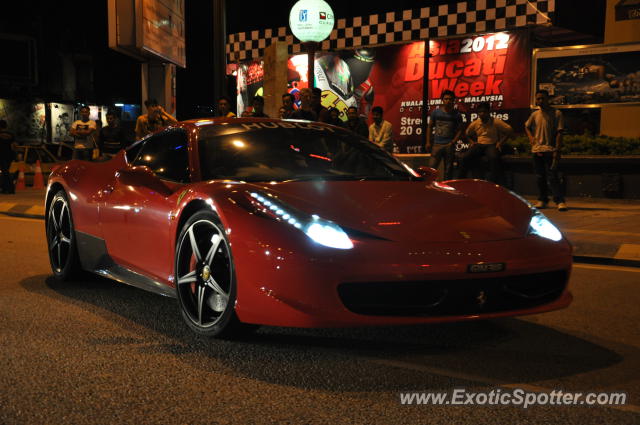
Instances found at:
x=605 y=231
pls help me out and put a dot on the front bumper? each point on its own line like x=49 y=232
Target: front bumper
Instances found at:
x=384 y=282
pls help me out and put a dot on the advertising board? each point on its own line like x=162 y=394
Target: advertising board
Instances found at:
x=588 y=76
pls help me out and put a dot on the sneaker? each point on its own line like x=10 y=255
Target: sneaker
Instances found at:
x=540 y=204
x=562 y=206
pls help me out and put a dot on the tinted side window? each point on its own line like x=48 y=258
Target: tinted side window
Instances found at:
x=166 y=155
x=133 y=151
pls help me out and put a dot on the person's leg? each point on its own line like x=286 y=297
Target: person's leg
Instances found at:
x=539 y=168
x=467 y=159
x=436 y=156
x=87 y=154
x=448 y=158
x=435 y=159
x=553 y=181
x=6 y=180
x=493 y=158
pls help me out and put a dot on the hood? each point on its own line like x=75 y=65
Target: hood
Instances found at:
x=397 y=210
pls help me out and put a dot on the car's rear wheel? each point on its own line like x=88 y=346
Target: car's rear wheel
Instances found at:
x=61 y=239
x=205 y=277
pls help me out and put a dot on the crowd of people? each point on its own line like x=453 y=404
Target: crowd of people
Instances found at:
x=486 y=135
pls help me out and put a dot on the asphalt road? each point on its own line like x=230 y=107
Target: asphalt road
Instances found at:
x=98 y=352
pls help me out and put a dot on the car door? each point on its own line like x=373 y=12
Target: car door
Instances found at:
x=135 y=216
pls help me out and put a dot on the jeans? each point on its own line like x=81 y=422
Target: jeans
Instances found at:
x=443 y=153
x=547 y=177
x=84 y=154
x=478 y=150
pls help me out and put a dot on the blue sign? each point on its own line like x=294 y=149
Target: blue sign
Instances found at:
x=303 y=15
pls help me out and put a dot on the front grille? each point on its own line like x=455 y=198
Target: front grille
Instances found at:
x=452 y=297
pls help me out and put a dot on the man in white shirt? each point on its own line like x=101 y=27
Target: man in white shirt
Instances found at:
x=544 y=129
x=381 y=131
x=83 y=132
x=487 y=134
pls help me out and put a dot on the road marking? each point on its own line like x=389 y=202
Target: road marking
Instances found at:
x=35 y=210
x=605 y=267
x=6 y=206
x=484 y=380
x=13 y=218
x=628 y=251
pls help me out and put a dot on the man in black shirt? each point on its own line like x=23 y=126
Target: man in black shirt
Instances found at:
x=256 y=109
x=113 y=137
x=356 y=123
x=305 y=112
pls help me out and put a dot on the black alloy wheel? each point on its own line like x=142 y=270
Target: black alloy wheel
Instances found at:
x=205 y=277
x=61 y=239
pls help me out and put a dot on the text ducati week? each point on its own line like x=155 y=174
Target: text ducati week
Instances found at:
x=477 y=69
x=491 y=68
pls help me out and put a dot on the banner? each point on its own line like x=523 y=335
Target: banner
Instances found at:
x=490 y=68
x=581 y=76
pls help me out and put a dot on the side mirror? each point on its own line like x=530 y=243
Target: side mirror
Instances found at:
x=143 y=176
x=430 y=174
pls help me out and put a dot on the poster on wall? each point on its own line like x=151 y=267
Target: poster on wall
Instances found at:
x=25 y=119
x=250 y=80
x=61 y=120
x=492 y=68
x=582 y=76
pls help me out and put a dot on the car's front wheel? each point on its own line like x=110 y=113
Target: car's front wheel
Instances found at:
x=61 y=238
x=205 y=278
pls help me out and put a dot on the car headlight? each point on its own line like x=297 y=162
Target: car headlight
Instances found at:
x=541 y=226
x=319 y=230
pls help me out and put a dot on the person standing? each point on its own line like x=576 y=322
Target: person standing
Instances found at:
x=316 y=104
x=155 y=119
x=487 y=134
x=84 y=133
x=305 y=111
x=544 y=129
x=355 y=123
x=257 y=108
x=381 y=131
x=112 y=138
x=444 y=129
x=7 y=155
x=224 y=108
x=334 y=118
x=287 y=103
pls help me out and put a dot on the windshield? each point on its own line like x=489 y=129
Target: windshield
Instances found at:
x=281 y=154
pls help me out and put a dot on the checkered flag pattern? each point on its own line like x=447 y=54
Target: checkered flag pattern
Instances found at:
x=439 y=21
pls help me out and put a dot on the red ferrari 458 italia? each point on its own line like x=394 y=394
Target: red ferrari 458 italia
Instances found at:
x=294 y=223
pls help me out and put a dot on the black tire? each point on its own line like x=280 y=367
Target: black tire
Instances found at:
x=61 y=239
x=205 y=277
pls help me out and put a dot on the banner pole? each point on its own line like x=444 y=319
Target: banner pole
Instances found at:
x=425 y=94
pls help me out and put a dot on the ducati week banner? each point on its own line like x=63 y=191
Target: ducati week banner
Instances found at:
x=492 y=68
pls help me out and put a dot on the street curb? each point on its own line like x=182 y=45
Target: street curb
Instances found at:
x=605 y=261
